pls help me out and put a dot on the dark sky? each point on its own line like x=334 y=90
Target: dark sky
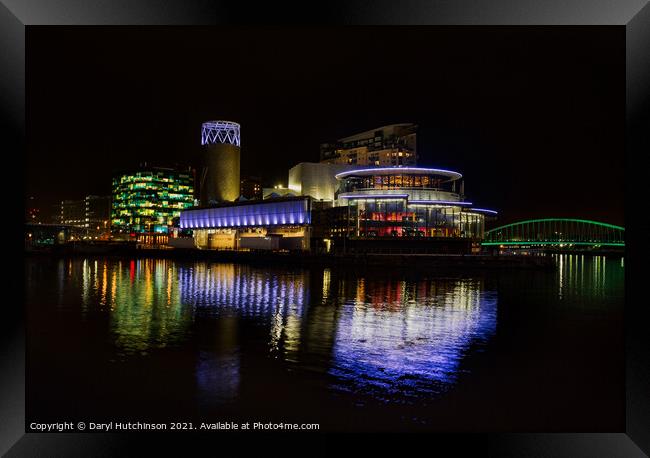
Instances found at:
x=532 y=116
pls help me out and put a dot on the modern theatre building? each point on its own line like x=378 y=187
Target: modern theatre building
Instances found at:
x=387 y=209
x=340 y=206
x=413 y=204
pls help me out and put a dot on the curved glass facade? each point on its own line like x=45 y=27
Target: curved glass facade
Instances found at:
x=407 y=203
x=387 y=181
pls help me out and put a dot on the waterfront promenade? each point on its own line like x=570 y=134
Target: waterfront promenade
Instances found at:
x=303 y=258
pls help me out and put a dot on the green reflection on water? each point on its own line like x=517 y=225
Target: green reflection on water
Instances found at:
x=584 y=276
x=143 y=301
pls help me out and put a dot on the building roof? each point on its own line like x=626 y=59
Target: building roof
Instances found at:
x=248 y=202
x=399 y=171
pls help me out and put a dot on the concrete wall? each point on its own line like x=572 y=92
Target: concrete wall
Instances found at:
x=316 y=179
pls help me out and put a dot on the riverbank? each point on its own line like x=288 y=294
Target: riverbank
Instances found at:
x=480 y=261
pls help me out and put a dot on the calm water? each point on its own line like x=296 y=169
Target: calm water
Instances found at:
x=140 y=339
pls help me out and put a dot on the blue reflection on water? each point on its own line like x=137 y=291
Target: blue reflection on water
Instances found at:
x=411 y=346
x=406 y=337
x=230 y=287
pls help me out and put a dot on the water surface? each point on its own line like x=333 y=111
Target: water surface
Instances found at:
x=353 y=350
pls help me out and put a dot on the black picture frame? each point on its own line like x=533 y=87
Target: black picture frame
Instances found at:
x=632 y=15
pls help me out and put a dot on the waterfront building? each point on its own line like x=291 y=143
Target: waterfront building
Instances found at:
x=406 y=204
x=146 y=201
x=364 y=195
x=220 y=162
x=271 y=224
x=394 y=209
x=393 y=145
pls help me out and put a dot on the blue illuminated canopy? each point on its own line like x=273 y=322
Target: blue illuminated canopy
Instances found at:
x=276 y=213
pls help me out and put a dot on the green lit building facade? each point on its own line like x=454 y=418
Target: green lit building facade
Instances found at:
x=147 y=201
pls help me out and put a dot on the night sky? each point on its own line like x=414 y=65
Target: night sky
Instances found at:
x=532 y=117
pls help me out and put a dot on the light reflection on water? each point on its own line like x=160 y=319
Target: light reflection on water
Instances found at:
x=380 y=335
x=585 y=276
x=413 y=340
x=391 y=336
x=142 y=298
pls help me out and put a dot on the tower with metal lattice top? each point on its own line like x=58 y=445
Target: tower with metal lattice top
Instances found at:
x=219 y=174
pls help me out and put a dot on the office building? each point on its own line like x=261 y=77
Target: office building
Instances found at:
x=147 y=201
x=92 y=213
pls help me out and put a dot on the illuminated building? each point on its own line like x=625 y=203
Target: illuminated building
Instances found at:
x=276 y=223
x=377 y=209
x=364 y=195
x=392 y=145
x=146 y=201
x=406 y=203
x=251 y=188
x=219 y=173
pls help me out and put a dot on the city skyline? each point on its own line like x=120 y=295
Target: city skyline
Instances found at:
x=421 y=229
x=528 y=117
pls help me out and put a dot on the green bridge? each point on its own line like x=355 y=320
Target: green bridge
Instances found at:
x=557 y=232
